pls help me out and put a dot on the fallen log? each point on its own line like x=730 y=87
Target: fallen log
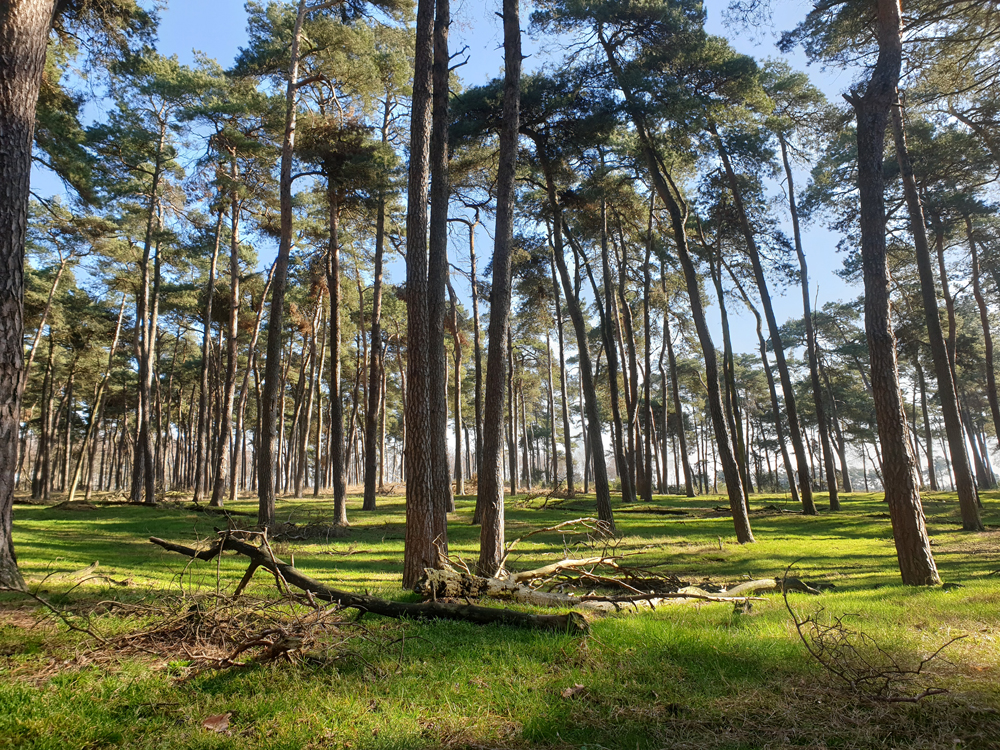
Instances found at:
x=570 y=622
x=452 y=584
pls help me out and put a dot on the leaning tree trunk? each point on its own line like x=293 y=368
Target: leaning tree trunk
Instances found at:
x=984 y=317
x=567 y=436
x=899 y=476
x=817 y=391
x=795 y=432
x=731 y=402
x=593 y=440
x=678 y=218
x=772 y=390
x=491 y=536
x=968 y=497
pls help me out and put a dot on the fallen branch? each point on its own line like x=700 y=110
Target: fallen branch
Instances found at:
x=452 y=584
x=857 y=659
x=62 y=615
x=571 y=622
x=550 y=570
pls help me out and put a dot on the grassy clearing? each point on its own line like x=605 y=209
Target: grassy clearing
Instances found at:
x=686 y=675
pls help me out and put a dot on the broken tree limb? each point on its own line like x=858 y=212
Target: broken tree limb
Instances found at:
x=550 y=570
x=570 y=622
x=449 y=583
x=771 y=584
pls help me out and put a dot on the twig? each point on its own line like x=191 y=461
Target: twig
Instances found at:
x=57 y=612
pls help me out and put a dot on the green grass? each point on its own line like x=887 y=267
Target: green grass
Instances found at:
x=687 y=675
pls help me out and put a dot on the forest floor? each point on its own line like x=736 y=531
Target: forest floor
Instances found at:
x=151 y=671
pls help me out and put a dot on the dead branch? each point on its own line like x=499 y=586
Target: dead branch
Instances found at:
x=585 y=522
x=61 y=614
x=860 y=661
x=549 y=570
x=570 y=622
x=450 y=584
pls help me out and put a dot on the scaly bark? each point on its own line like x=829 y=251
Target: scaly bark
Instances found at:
x=491 y=538
x=24 y=29
x=421 y=507
x=899 y=477
x=968 y=497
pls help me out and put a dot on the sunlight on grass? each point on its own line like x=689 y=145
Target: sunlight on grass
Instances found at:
x=685 y=675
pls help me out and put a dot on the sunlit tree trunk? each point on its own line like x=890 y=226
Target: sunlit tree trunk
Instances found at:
x=421 y=504
x=267 y=435
x=941 y=352
x=871 y=107
x=491 y=538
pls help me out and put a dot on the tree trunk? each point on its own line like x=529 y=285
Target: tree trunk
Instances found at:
x=795 y=433
x=302 y=468
x=731 y=402
x=321 y=355
x=511 y=417
x=437 y=279
x=97 y=409
x=376 y=364
x=772 y=390
x=491 y=538
x=984 y=318
x=678 y=216
x=916 y=563
x=834 y=419
x=553 y=463
x=928 y=437
x=567 y=436
x=593 y=440
x=610 y=348
x=678 y=409
x=477 y=356
x=457 y=410
x=271 y=395
x=24 y=29
x=337 y=458
x=817 y=391
x=968 y=497
x=421 y=503
x=225 y=437
x=647 y=493
x=201 y=455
